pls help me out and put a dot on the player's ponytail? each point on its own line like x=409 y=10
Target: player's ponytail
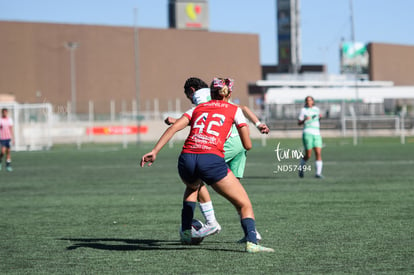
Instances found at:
x=221 y=88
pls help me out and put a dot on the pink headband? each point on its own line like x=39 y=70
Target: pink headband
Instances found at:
x=220 y=83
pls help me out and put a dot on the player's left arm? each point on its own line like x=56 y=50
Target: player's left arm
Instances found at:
x=11 y=132
x=180 y=124
x=170 y=120
x=244 y=134
x=243 y=129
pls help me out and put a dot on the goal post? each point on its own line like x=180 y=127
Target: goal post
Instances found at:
x=32 y=125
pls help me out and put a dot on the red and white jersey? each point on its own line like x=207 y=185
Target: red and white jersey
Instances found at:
x=210 y=126
x=6 y=125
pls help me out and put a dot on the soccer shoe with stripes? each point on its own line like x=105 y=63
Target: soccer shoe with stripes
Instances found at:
x=256 y=248
x=185 y=236
x=258 y=237
x=208 y=229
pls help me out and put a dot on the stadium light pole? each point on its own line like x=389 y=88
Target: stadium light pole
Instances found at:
x=296 y=52
x=356 y=67
x=355 y=71
x=72 y=46
x=136 y=63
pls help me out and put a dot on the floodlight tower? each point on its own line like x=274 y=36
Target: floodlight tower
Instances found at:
x=137 y=75
x=288 y=36
x=72 y=46
x=356 y=67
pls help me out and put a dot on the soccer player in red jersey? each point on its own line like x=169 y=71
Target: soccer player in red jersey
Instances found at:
x=202 y=158
x=197 y=91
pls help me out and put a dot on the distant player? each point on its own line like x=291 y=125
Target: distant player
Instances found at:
x=309 y=117
x=6 y=138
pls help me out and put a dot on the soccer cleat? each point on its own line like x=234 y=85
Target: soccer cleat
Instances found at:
x=9 y=168
x=256 y=248
x=0 y=166
x=258 y=237
x=207 y=230
x=301 y=173
x=319 y=176
x=185 y=236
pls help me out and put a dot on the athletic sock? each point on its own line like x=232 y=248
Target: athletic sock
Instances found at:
x=249 y=228
x=208 y=212
x=318 y=165
x=187 y=214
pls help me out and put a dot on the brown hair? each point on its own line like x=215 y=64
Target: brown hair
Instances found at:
x=221 y=88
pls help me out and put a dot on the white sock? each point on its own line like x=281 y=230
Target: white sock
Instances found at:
x=318 y=165
x=208 y=212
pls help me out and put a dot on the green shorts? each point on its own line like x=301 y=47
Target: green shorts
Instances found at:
x=235 y=155
x=311 y=141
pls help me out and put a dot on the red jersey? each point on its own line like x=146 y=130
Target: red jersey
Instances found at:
x=210 y=127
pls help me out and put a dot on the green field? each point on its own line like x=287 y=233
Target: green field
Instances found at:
x=93 y=211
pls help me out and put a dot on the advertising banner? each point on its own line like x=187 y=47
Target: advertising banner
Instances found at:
x=354 y=58
x=192 y=15
x=116 y=130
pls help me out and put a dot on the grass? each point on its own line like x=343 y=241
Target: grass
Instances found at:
x=92 y=211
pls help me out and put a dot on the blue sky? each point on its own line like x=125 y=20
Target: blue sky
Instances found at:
x=323 y=22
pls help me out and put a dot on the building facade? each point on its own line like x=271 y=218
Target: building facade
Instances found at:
x=54 y=63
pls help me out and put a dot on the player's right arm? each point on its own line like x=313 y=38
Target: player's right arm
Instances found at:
x=180 y=124
x=302 y=117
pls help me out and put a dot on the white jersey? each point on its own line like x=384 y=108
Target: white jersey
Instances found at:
x=201 y=96
x=310 y=126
